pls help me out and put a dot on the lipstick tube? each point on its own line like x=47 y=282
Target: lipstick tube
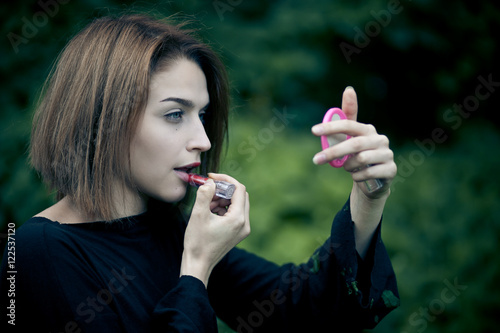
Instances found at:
x=223 y=189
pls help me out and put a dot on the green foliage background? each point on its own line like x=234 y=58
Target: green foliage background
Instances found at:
x=442 y=222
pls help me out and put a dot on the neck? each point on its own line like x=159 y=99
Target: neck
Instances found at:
x=126 y=203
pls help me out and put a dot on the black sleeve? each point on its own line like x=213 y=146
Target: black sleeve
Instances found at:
x=185 y=308
x=335 y=288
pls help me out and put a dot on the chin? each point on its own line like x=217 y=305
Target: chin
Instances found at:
x=173 y=196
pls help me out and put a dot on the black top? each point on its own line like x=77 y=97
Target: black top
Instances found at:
x=124 y=277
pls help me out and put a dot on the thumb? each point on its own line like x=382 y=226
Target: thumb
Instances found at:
x=350 y=103
x=204 y=195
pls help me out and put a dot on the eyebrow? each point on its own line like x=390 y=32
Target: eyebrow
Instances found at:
x=185 y=102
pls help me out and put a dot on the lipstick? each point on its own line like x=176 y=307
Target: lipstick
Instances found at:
x=223 y=189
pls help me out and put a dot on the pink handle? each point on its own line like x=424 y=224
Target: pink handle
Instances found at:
x=326 y=140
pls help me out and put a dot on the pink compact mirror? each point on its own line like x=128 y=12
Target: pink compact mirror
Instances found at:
x=330 y=140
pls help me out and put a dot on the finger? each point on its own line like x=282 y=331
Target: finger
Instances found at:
x=350 y=103
x=204 y=196
x=219 y=202
x=348 y=147
x=368 y=157
x=219 y=211
x=247 y=207
x=238 y=198
x=223 y=177
x=349 y=127
x=365 y=149
x=379 y=171
x=247 y=215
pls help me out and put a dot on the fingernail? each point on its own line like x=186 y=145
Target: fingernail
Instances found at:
x=317 y=129
x=319 y=158
x=349 y=87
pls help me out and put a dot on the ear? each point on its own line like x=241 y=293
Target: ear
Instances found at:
x=350 y=103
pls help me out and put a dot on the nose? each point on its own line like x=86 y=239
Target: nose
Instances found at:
x=199 y=139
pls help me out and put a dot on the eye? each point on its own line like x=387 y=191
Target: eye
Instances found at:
x=203 y=116
x=174 y=116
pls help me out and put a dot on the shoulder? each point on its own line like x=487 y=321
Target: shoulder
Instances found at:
x=41 y=243
x=63 y=211
x=39 y=292
x=35 y=230
x=32 y=237
x=29 y=256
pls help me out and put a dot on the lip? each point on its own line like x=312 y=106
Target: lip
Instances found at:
x=184 y=171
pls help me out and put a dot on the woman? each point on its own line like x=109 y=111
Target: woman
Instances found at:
x=132 y=106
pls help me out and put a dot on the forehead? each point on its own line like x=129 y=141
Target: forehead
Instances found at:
x=182 y=78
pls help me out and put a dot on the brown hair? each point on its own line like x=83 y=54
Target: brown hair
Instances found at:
x=94 y=96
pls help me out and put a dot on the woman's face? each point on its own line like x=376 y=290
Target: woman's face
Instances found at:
x=170 y=136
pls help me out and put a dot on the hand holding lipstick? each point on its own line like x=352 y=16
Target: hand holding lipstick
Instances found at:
x=222 y=189
x=216 y=225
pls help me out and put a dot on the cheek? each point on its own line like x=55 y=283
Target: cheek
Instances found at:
x=152 y=150
x=151 y=153
x=153 y=158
